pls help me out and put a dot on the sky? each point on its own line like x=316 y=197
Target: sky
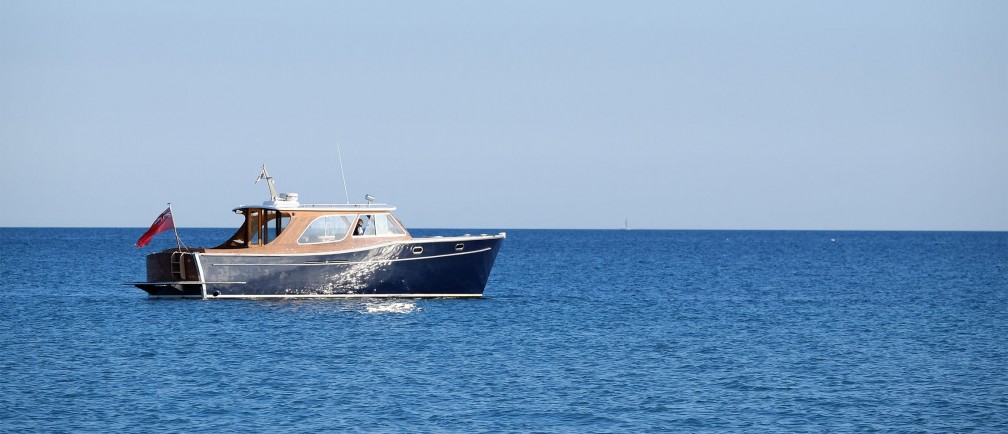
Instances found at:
x=845 y=115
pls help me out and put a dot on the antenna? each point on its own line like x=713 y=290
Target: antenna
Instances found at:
x=269 y=181
x=342 y=174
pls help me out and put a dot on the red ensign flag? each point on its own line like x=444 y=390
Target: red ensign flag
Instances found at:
x=163 y=223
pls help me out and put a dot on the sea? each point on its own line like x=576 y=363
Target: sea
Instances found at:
x=578 y=331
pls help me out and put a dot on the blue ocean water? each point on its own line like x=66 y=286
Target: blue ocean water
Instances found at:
x=588 y=331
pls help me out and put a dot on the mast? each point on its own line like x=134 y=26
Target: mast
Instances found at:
x=269 y=182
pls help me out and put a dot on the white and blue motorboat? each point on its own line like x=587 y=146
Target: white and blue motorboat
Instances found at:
x=286 y=249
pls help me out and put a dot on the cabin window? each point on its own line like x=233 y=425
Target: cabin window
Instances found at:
x=260 y=227
x=377 y=225
x=326 y=229
x=266 y=225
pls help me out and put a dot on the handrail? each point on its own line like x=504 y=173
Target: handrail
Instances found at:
x=347 y=205
x=334 y=206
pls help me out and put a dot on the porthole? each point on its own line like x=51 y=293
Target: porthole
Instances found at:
x=417 y=250
x=459 y=247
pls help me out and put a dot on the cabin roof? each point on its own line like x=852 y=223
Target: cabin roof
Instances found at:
x=281 y=205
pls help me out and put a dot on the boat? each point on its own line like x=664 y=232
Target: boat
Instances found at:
x=286 y=249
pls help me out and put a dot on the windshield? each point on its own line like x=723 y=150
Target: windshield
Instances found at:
x=377 y=225
x=326 y=229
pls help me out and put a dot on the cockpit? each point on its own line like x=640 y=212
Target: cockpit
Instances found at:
x=261 y=226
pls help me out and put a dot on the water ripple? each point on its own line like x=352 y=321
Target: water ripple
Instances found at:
x=661 y=331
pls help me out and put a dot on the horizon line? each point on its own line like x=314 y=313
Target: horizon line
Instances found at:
x=141 y=228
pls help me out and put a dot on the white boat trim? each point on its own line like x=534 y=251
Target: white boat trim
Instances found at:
x=411 y=241
x=352 y=262
x=199 y=268
x=182 y=282
x=346 y=207
x=353 y=296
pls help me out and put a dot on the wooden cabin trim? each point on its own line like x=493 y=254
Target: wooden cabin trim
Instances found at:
x=300 y=218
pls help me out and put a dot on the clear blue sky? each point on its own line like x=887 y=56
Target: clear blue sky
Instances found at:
x=511 y=114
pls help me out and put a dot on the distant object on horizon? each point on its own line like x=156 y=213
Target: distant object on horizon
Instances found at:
x=626 y=224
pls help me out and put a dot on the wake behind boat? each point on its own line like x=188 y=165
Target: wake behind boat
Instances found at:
x=288 y=249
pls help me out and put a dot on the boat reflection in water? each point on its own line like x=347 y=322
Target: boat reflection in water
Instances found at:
x=288 y=249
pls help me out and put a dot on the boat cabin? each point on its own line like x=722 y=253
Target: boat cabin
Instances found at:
x=285 y=226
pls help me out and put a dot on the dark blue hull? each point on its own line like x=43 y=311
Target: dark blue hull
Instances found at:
x=435 y=267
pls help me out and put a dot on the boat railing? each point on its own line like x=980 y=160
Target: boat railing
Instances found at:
x=346 y=205
x=322 y=206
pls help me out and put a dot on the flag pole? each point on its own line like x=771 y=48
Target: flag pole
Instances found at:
x=177 y=239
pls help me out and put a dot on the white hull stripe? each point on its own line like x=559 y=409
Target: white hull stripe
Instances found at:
x=408 y=242
x=199 y=268
x=353 y=262
x=282 y=296
x=183 y=282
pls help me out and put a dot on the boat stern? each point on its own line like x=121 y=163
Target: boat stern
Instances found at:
x=173 y=273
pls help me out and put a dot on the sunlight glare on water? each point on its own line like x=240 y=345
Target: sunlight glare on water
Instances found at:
x=391 y=306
